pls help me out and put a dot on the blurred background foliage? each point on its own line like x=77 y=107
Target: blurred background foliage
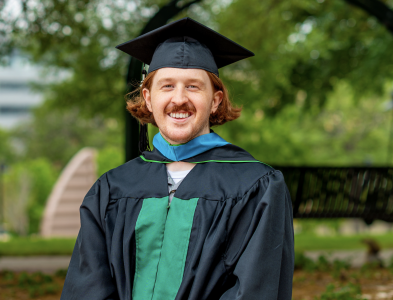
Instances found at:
x=314 y=94
x=27 y=185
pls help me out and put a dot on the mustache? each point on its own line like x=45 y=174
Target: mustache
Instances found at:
x=173 y=108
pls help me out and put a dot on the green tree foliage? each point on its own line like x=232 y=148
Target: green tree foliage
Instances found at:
x=80 y=36
x=347 y=131
x=313 y=93
x=304 y=46
x=109 y=158
x=6 y=151
x=305 y=51
x=57 y=134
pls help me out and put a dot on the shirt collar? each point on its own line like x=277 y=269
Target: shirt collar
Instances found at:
x=194 y=147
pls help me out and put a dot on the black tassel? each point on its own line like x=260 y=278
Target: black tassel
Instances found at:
x=143 y=138
x=143 y=131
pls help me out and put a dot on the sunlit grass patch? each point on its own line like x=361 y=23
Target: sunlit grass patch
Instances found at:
x=310 y=241
x=30 y=246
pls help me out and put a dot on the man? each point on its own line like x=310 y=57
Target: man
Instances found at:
x=223 y=231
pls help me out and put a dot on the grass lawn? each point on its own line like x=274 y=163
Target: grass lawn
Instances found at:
x=309 y=242
x=28 y=246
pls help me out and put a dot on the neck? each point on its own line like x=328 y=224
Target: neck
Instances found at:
x=180 y=166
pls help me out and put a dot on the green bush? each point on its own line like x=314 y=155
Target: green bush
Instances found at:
x=390 y=264
x=338 y=266
x=368 y=269
x=348 y=292
x=24 y=280
x=27 y=186
x=302 y=262
x=323 y=264
x=42 y=290
x=7 y=275
x=61 y=273
x=36 y=284
x=43 y=178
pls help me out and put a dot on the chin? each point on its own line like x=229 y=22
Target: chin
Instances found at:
x=179 y=137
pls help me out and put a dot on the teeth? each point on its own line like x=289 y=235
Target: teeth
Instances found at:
x=179 y=115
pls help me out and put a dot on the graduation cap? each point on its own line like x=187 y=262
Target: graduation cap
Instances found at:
x=185 y=44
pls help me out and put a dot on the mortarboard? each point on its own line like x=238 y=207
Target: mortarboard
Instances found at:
x=185 y=44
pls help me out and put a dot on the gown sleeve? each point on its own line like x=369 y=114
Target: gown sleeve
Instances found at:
x=260 y=251
x=89 y=276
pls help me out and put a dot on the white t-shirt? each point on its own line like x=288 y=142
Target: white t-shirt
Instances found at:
x=178 y=175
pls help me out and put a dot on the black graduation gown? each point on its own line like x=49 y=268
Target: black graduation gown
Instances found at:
x=227 y=235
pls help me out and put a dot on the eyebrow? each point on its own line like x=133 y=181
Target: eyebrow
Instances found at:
x=197 y=81
x=193 y=80
x=163 y=80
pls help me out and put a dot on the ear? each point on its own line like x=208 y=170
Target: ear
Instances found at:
x=147 y=97
x=217 y=98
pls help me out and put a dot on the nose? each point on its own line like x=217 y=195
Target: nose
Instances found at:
x=180 y=96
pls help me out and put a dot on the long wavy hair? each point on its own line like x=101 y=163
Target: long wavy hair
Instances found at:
x=225 y=112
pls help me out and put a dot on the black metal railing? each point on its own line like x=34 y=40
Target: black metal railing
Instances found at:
x=341 y=192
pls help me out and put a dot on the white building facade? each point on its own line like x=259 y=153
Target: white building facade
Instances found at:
x=16 y=97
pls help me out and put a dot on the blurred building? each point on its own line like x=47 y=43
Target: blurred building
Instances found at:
x=16 y=96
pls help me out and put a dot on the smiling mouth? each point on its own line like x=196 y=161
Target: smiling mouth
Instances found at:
x=180 y=115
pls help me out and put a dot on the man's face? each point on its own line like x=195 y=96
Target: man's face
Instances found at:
x=181 y=101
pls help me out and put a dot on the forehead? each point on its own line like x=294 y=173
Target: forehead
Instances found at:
x=178 y=74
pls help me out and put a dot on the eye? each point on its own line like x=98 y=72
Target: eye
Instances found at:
x=192 y=86
x=168 y=86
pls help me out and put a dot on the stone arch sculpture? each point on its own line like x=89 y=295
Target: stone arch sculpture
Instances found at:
x=61 y=215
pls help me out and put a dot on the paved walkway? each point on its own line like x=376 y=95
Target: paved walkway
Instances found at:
x=50 y=264
x=357 y=258
x=46 y=264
